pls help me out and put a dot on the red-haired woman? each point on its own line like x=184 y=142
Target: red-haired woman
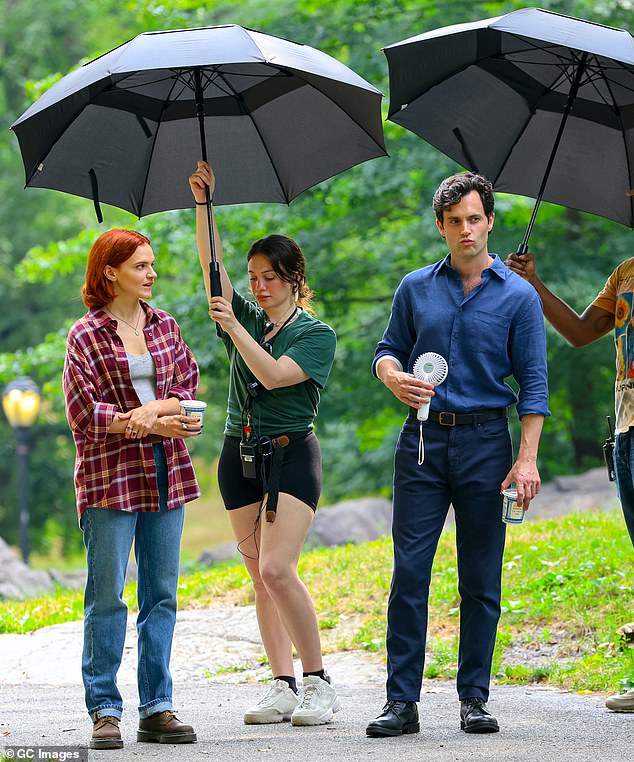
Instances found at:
x=125 y=372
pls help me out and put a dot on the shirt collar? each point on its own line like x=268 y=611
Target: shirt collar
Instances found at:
x=497 y=266
x=99 y=318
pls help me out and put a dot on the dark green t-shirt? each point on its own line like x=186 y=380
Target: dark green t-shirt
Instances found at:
x=307 y=341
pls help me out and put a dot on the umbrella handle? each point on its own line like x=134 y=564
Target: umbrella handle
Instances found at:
x=214 y=278
x=214 y=269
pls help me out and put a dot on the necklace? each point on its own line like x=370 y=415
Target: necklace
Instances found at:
x=269 y=325
x=134 y=327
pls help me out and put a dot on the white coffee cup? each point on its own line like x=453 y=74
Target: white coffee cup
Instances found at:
x=193 y=408
x=512 y=513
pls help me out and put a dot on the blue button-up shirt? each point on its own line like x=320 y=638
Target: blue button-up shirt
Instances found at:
x=494 y=332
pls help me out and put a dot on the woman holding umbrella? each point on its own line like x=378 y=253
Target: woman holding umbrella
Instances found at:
x=270 y=466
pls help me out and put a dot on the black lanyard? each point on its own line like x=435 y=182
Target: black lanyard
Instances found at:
x=254 y=387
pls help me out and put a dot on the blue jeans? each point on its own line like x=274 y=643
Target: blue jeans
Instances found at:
x=108 y=537
x=464 y=466
x=624 y=469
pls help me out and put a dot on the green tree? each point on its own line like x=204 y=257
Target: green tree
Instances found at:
x=362 y=232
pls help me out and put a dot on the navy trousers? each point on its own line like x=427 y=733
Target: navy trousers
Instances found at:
x=464 y=466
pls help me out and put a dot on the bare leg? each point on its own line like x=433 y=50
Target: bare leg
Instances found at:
x=281 y=544
x=275 y=638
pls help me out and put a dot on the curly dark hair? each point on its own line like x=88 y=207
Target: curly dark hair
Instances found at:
x=454 y=188
x=288 y=263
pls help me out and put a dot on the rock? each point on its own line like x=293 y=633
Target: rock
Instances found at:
x=365 y=519
x=353 y=521
x=72 y=580
x=590 y=491
x=17 y=580
x=222 y=552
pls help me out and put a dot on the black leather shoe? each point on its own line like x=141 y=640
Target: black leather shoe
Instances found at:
x=476 y=718
x=396 y=719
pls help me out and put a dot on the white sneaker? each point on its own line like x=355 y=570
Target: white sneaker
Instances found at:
x=623 y=702
x=318 y=701
x=276 y=705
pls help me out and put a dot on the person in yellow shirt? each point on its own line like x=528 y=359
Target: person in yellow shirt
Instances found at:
x=611 y=310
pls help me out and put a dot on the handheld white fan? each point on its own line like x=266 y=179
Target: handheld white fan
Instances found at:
x=433 y=369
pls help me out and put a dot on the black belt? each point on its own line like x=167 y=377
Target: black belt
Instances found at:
x=445 y=418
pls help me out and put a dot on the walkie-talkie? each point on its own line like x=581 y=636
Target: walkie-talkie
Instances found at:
x=608 y=450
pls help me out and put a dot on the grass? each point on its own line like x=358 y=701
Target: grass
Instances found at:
x=567 y=586
x=206 y=521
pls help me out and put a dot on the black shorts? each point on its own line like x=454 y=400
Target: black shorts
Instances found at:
x=301 y=473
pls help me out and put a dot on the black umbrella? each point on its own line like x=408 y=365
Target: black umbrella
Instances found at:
x=126 y=128
x=542 y=104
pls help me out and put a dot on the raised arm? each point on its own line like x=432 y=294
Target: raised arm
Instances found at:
x=579 y=330
x=198 y=180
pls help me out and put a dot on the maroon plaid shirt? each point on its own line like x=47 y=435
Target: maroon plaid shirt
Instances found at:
x=110 y=470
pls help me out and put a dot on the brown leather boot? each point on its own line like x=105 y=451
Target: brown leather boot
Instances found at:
x=106 y=734
x=165 y=727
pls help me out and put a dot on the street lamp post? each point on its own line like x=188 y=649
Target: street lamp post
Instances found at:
x=21 y=404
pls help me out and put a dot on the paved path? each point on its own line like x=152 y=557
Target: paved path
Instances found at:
x=216 y=650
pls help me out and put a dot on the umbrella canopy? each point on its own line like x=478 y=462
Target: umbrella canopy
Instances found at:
x=540 y=103
x=128 y=127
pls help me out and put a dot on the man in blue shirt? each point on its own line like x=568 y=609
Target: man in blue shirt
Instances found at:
x=488 y=324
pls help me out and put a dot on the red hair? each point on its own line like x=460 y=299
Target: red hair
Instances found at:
x=111 y=248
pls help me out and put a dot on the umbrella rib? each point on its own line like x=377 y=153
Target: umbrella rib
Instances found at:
x=520 y=133
x=42 y=159
x=240 y=99
x=219 y=82
x=185 y=84
x=130 y=74
x=347 y=113
x=565 y=74
x=628 y=161
x=176 y=77
x=594 y=71
x=600 y=74
x=154 y=139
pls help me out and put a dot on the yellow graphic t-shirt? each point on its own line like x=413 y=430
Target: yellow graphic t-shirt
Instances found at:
x=617 y=297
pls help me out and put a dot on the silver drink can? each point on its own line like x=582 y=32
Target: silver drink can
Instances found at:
x=512 y=513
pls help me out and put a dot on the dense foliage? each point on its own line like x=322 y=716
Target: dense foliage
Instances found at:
x=361 y=231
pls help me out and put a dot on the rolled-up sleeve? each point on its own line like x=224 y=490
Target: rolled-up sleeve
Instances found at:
x=186 y=377
x=84 y=411
x=529 y=359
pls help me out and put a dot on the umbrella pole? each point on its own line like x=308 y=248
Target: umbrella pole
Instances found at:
x=214 y=269
x=523 y=247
